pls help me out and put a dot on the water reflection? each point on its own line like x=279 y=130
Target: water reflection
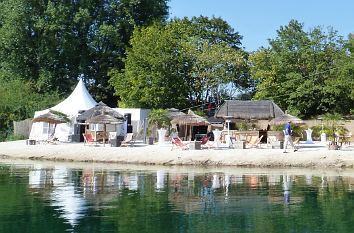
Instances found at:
x=79 y=196
x=286 y=188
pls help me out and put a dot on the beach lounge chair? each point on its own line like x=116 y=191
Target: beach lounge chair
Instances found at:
x=254 y=141
x=271 y=140
x=52 y=140
x=88 y=139
x=176 y=141
x=206 y=143
x=128 y=141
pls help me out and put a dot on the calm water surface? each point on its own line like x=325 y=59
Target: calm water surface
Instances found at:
x=38 y=198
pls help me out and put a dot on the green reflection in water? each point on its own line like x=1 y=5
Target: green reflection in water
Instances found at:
x=58 y=199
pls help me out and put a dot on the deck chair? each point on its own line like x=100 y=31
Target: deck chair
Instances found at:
x=254 y=141
x=52 y=140
x=206 y=143
x=128 y=141
x=270 y=140
x=88 y=139
x=176 y=141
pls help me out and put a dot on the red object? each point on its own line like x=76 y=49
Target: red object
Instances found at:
x=204 y=140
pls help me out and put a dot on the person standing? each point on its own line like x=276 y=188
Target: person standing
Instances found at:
x=287 y=136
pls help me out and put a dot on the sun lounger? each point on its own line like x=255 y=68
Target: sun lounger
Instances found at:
x=88 y=139
x=254 y=141
x=206 y=143
x=176 y=141
x=271 y=140
x=129 y=140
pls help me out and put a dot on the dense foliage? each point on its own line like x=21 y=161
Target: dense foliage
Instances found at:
x=307 y=73
x=181 y=64
x=127 y=52
x=52 y=43
x=18 y=101
x=49 y=44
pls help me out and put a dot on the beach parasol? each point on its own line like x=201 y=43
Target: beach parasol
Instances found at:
x=190 y=119
x=98 y=110
x=51 y=117
x=101 y=117
x=173 y=113
x=286 y=118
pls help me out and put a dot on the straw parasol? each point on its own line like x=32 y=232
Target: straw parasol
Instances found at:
x=174 y=112
x=51 y=117
x=286 y=118
x=190 y=119
x=101 y=114
x=102 y=117
x=99 y=109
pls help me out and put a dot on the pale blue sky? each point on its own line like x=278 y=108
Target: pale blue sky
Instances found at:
x=258 y=20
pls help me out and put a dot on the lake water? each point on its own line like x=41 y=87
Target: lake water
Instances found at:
x=56 y=198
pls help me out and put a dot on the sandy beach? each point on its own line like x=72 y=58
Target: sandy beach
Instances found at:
x=308 y=156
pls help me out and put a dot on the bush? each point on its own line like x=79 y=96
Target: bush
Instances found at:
x=13 y=137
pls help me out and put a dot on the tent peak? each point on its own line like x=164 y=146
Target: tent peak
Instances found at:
x=80 y=97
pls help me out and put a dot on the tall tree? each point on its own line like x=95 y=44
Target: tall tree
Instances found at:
x=18 y=101
x=300 y=71
x=52 y=43
x=178 y=64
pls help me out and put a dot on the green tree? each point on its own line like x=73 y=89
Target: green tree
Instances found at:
x=52 y=43
x=47 y=45
x=218 y=71
x=180 y=64
x=301 y=71
x=18 y=101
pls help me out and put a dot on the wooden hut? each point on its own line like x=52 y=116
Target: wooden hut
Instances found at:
x=252 y=114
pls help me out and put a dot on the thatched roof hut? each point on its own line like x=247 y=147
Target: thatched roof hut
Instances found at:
x=286 y=118
x=249 y=110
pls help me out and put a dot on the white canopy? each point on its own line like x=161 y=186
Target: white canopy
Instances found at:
x=79 y=99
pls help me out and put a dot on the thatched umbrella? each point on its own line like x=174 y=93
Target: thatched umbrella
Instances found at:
x=101 y=114
x=173 y=113
x=190 y=119
x=286 y=118
x=104 y=118
x=51 y=117
x=98 y=110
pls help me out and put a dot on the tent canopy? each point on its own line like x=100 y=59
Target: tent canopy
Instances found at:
x=79 y=99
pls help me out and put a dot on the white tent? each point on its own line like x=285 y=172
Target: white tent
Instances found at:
x=80 y=99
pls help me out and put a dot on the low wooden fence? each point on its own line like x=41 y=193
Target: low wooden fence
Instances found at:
x=23 y=127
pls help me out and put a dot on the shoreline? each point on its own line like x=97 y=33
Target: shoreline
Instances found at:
x=309 y=155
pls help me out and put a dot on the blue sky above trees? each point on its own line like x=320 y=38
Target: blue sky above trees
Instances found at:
x=258 y=20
